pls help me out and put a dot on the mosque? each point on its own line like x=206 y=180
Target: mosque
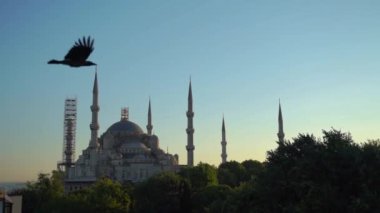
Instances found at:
x=126 y=154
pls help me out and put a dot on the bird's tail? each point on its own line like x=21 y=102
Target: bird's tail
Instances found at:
x=54 y=62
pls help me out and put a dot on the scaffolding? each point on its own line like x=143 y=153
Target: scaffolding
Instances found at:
x=69 y=132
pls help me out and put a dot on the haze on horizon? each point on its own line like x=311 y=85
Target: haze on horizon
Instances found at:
x=319 y=57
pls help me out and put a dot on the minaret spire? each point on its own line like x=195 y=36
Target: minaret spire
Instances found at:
x=149 y=127
x=94 y=126
x=280 y=133
x=190 y=130
x=190 y=98
x=224 y=143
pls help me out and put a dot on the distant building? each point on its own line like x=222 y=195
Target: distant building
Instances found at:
x=6 y=203
x=280 y=134
x=224 y=143
x=123 y=153
x=190 y=129
x=17 y=203
x=69 y=128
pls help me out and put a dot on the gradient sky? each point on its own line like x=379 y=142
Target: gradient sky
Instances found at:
x=320 y=57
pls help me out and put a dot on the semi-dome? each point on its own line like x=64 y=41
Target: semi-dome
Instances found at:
x=126 y=127
x=134 y=147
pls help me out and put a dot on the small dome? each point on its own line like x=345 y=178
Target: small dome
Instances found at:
x=154 y=137
x=134 y=145
x=126 y=127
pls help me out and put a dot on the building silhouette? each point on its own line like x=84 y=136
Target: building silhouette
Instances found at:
x=280 y=134
x=126 y=154
x=123 y=152
x=224 y=143
x=190 y=129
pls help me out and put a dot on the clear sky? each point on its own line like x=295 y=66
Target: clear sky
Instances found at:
x=320 y=57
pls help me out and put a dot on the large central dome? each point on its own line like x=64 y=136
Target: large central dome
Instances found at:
x=126 y=127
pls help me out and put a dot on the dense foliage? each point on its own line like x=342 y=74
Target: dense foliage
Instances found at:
x=332 y=174
x=165 y=192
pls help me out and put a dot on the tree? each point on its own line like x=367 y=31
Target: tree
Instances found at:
x=200 y=176
x=40 y=194
x=46 y=195
x=253 y=169
x=164 y=192
x=212 y=198
x=231 y=173
x=107 y=195
x=310 y=175
x=369 y=199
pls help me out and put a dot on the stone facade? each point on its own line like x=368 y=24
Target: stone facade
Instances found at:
x=123 y=153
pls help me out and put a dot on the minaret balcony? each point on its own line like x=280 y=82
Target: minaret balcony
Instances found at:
x=94 y=108
x=94 y=126
x=190 y=147
x=190 y=114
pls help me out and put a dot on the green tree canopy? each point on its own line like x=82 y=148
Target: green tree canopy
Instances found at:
x=200 y=176
x=40 y=194
x=329 y=175
x=212 y=198
x=232 y=173
x=253 y=169
x=164 y=192
x=106 y=195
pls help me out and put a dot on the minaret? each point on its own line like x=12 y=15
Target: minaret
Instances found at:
x=280 y=133
x=94 y=126
x=149 y=127
x=224 y=143
x=190 y=130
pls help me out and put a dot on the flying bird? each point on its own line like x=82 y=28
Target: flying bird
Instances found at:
x=78 y=54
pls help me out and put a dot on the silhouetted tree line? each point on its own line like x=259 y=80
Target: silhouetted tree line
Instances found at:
x=331 y=174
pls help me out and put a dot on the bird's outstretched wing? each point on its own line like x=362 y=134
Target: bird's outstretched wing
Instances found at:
x=81 y=50
x=78 y=54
